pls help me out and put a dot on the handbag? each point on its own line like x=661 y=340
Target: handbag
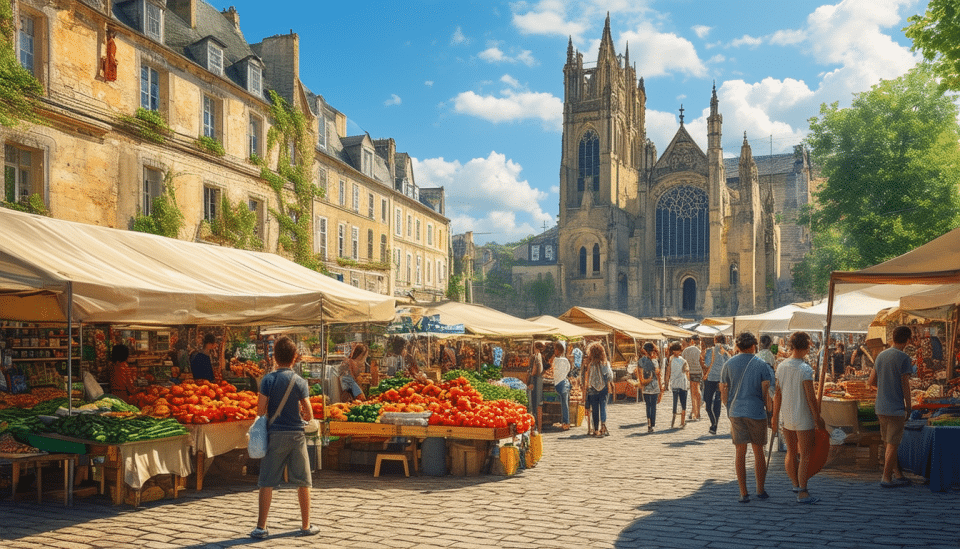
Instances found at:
x=257 y=434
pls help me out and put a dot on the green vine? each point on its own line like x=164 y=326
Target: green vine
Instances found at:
x=210 y=144
x=289 y=129
x=20 y=91
x=237 y=226
x=31 y=204
x=148 y=124
x=365 y=265
x=165 y=217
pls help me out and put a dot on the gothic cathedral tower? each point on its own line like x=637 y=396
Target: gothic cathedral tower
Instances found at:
x=605 y=157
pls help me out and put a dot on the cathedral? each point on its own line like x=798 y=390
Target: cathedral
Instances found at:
x=687 y=233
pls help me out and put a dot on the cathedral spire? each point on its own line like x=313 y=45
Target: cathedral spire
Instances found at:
x=570 y=51
x=681 y=114
x=626 y=56
x=607 y=52
x=746 y=153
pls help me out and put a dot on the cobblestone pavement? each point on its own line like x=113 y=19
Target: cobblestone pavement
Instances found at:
x=671 y=488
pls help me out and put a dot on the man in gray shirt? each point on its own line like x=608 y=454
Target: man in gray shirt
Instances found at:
x=891 y=377
x=692 y=355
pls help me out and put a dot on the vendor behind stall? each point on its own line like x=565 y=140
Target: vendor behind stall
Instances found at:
x=350 y=370
x=200 y=363
x=123 y=380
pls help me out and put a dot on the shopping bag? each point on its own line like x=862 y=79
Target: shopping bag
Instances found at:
x=821 y=451
x=510 y=458
x=581 y=413
x=257 y=438
x=536 y=449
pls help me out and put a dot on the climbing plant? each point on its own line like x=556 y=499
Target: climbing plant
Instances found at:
x=291 y=181
x=148 y=124
x=30 y=204
x=166 y=218
x=20 y=91
x=236 y=225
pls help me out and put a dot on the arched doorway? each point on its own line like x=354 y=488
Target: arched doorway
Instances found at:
x=689 y=295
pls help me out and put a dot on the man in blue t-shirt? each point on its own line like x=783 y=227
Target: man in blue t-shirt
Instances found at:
x=891 y=377
x=744 y=383
x=201 y=365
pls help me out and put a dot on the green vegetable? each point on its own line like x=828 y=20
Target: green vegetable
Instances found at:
x=390 y=383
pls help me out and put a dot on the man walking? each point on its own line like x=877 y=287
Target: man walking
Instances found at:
x=891 y=377
x=692 y=355
x=714 y=359
x=744 y=383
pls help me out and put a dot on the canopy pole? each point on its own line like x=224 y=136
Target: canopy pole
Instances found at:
x=951 y=343
x=70 y=347
x=826 y=339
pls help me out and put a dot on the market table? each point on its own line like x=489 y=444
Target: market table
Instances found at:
x=933 y=453
x=17 y=461
x=212 y=439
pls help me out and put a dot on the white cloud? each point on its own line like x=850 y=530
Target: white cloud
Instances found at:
x=394 y=100
x=549 y=17
x=494 y=54
x=510 y=81
x=512 y=105
x=717 y=59
x=458 y=38
x=658 y=53
x=746 y=40
x=701 y=31
x=428 y=83
x=486 y=195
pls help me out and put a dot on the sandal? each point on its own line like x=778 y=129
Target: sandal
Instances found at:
x=603 y=430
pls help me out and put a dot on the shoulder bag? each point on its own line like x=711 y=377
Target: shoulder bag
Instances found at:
x=257 y=435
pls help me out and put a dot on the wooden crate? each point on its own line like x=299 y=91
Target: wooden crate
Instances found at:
x=351 y=428
x=468 y=433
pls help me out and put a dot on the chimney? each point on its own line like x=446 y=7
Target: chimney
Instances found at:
x=232 y=16
x=186 y=9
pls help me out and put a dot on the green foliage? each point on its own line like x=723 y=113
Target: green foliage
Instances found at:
x=365 y=265
x=148 y=124
x=211 y=144
x=830 y=251
x=20 y=91
x=289 y=130
x=543 y=292
x=165 y=217
x=456 y=290
x=936 y=34
x=891 y=161
x=236 y=225
x=32 y=204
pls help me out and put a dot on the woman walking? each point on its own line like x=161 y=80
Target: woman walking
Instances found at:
x=796 y=400
x=678 y=379
x=597 y=376
x=561 y=369
x=650 y=379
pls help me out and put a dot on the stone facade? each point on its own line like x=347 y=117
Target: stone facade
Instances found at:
x=687 y=233
x=99 y=60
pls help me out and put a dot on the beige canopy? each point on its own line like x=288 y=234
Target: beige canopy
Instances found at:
x=484 y=321
x=566 y=329
x=116 y=276
x=602 y=319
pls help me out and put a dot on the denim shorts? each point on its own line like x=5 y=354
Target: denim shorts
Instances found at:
x=285 y=449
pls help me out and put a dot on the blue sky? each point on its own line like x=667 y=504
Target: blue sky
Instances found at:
x=473 y=90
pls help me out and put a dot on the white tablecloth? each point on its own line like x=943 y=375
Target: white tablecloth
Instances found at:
x=142 y=460
x=214 y=439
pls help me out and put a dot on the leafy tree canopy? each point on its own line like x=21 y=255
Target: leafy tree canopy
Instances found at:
x=892 y=167
x=936 y=34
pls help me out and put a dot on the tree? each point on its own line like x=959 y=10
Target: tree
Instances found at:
x=892 y=164
x=543 y=291
x=936 y=34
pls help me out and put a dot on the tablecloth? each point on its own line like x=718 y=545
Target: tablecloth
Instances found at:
x=214 y=439
x=142 y=460
x=933 y=453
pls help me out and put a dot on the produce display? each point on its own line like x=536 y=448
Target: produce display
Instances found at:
x=30 y=399
x=453 y=403
x=10 y=445
x=115 y=430
x=389 y=383
x=197 y=403
x=490 y=391
x=240 y=368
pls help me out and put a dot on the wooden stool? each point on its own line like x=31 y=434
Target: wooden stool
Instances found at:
x=391 y=457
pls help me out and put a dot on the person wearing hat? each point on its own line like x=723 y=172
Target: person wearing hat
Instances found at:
x=650 y=379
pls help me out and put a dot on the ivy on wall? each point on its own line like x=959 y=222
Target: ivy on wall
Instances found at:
x=166 y=218
x=20 y=91
x=236 y=225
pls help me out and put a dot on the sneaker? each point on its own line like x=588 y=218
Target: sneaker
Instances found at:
x=311 y=531
x=713 y=430
x=259 y=533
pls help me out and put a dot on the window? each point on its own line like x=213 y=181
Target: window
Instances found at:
x=149 y=88
x=409 y=268
x=292 y=152
x=588 y=163
x=429 y=234
x=534 y=253
x=396 y=259
x=210 y=112
x=341 y=238
x=398 y=224
x=582 y=264
x=417 y=233
x=214 y=58
x=355 y=243
x=153 y=21
x=439 y=272
x=383 y=210
x=548 y=252
x=383 y=249
x=322 y=182
x=356 y=198
x=342 y=195
x=409 y=225
x=322 y=132
x=682 y=223
x=211 y=202
x=21 y=173
x=322 y=238
x=152 y=183
x=596 y=258
x=28 y=42
x=369 y=244
x=254 y=135
x=255 y=79
x=419 y=270
x=440 y=238
x=429 y=271
x=367 y=163
x=256 y=206
x=371 y=208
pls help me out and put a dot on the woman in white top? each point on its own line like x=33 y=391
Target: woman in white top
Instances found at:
x=796 y=402
x=678 y=379
x=561 y=369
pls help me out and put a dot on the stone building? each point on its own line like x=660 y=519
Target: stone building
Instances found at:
x=102 y=61
x=685 y=233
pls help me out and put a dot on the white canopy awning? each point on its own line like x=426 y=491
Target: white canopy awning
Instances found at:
x=567 y=329
x=127 y=277
x=602 y=319
x=484 y=321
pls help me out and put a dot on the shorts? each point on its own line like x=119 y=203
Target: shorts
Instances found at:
x=696 y=378
x=891 y=428
x=285 y=449
x=347 y=383
x=746 y=430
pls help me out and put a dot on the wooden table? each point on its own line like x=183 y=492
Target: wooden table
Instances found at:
x=17 y=461
x=212 y=439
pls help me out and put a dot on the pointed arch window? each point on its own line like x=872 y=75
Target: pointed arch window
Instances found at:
x=596 y=258
x=683 y=225
x=588 y=163
x=583 y=261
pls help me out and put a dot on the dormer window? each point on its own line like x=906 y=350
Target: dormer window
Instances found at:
x=322 y=131
x=214 y=58
x=255 y=79
x=153 y=21
x=367 y=163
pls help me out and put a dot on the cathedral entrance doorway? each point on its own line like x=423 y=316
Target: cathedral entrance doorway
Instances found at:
x=689 y=295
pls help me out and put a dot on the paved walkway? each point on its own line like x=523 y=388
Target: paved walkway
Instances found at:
x=672 y=488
